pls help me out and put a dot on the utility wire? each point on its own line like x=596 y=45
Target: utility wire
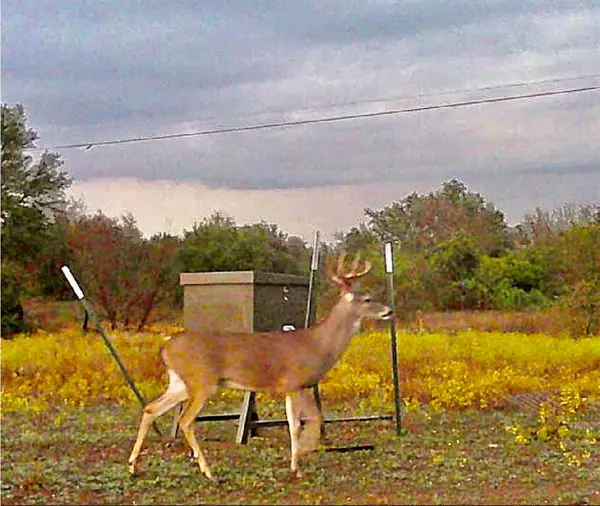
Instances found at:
x=327 y=119
x=396 y=98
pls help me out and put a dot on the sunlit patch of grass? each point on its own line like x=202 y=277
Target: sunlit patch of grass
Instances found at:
x=554 y=321
x=468 y=369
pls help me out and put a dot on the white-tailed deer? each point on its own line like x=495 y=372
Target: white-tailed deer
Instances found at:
x=279 y=362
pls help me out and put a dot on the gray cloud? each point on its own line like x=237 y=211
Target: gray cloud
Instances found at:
x=104 y=70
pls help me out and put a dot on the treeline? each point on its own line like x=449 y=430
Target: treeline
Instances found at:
x=125 y=274
x=453 y=249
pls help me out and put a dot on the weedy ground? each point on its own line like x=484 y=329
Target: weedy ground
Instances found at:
x=78 y=456
x=491 y=417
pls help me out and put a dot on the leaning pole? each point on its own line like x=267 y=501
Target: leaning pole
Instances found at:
x=88 y=307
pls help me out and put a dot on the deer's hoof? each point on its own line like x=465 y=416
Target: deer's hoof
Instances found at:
x=210 y=476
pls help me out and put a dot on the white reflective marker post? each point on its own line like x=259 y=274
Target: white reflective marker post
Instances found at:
x=314 y=267
x=80 y=295
x=389 y=269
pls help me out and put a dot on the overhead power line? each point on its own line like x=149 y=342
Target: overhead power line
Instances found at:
x=396 y=98
x=327 y=119
x=457 y=91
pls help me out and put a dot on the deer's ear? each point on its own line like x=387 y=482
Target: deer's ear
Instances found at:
x=349 y=296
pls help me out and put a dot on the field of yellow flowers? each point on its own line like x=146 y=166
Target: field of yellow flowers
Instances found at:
x=445 y=371
x=69 y=421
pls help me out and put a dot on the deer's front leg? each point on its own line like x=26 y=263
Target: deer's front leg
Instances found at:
x=293 y=417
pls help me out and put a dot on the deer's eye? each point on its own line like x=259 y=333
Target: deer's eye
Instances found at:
x=367 y=298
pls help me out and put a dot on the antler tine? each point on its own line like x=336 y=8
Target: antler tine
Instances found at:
x=344 y=279
x=338 y=277
x=340 y=265
x=355 y=264
x=365 y=270
x=353 y=274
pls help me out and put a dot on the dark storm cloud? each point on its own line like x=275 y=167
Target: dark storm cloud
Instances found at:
x=86 y=63
x=104 y=70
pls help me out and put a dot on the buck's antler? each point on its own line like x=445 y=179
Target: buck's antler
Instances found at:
x=345 y=280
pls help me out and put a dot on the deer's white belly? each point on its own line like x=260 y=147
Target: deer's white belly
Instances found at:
x=236 y=386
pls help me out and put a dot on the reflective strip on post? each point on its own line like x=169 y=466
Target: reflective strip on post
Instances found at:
x=72 y=281
x=315 y=256
x=389 y=260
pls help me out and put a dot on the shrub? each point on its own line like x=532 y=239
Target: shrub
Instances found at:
x=13 y=317
x=510 y=282
x=124 y=274
x=583 y=304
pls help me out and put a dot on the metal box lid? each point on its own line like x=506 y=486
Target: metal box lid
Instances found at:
x=240 y=278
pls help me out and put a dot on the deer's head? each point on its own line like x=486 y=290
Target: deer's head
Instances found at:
x=359 y=303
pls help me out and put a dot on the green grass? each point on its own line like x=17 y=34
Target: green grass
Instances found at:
x=58 y=455
x=79 y=457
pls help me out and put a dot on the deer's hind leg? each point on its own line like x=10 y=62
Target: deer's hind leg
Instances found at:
x=175 y=393
x=312 y=418
x=301 y=406
x=186 y=422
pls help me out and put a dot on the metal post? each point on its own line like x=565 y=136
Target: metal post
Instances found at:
x=90 y=310
x=314 y=267
x=389 y=269
x=308 y=320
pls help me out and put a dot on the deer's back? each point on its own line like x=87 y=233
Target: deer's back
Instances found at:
x=271 y=361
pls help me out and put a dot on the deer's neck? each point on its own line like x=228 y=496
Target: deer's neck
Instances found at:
x=333 y=335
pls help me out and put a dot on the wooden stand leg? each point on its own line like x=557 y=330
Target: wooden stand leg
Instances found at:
x=176 y=415
x=247 y=416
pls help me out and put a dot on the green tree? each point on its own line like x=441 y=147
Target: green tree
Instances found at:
x=576 y=263
x=440 y=237
x=518 y=280
x=358 y=238
x=217 y=244
x=124 y=274
x=33 y=192
x=453 y=264
x=210 y=245
x=420 y=222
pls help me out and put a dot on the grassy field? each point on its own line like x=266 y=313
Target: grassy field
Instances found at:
x=468 y=457
x=492 y=417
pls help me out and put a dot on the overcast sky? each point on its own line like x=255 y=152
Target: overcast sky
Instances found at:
x=104 y=70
